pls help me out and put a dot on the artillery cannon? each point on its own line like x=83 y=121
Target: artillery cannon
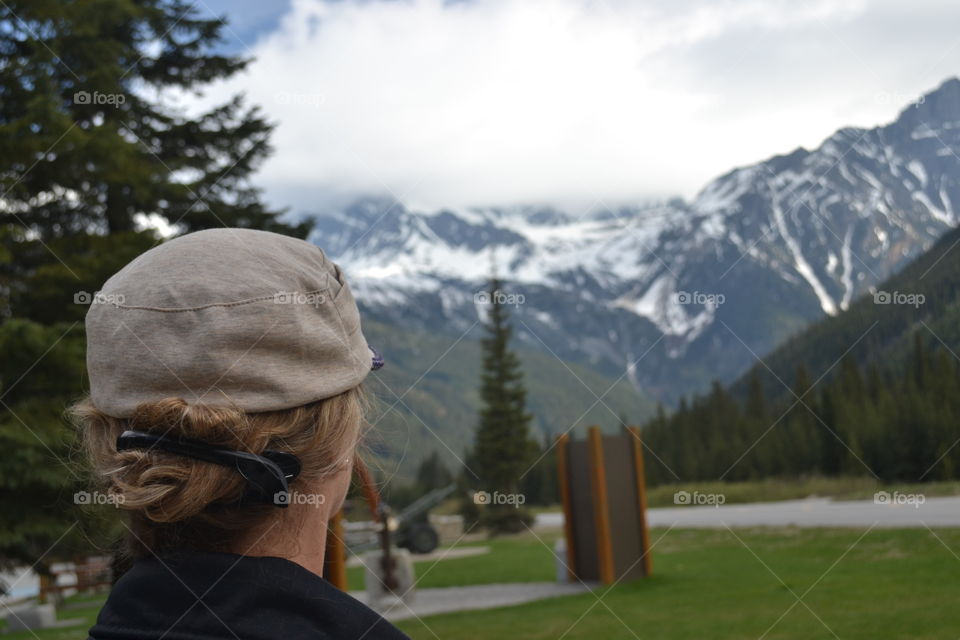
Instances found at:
x=409 y=529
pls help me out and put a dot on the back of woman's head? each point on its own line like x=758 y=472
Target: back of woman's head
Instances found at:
x=234 y=340
x=179 y=501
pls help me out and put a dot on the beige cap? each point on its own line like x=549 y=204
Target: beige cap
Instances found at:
x=225 y=317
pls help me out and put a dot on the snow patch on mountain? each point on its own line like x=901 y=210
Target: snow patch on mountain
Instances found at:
x=800 y=262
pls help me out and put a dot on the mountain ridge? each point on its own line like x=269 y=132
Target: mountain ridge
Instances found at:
x=672 y=293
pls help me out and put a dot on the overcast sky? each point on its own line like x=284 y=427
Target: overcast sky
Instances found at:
x=566 y=101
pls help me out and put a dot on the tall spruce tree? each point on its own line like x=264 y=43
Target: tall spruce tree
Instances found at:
x=502 y=447
x=88 y=143
x=89 y=137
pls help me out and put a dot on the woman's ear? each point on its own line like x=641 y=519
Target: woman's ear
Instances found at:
x=337 y=485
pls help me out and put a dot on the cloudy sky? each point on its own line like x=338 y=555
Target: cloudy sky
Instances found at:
x=566 y=101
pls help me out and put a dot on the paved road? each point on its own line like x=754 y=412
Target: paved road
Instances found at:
x=812 y=512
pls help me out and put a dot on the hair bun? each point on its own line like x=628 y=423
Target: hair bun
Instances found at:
x=166 y=487
x=171 y=497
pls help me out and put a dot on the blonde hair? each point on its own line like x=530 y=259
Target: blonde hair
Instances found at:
x=179 y=502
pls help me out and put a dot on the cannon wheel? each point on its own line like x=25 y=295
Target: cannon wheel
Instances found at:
x=421 y=538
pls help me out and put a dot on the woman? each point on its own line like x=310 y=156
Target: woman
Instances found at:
x=224 y=415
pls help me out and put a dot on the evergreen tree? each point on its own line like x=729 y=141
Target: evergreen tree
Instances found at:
x=800 y=430
x=88 y=145
x=539 y=485
x=657 y=472
x=88 y=139
x=919 y=363
x=851 y=382
x=501 y=452
x=756 y=406
x=756 y=421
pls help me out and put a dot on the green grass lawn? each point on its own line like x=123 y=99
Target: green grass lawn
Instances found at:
x=745 y=584
x=706 y=584
x=513 y=559
x=82 y=608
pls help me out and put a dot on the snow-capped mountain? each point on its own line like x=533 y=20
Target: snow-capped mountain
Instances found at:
x=673 y=294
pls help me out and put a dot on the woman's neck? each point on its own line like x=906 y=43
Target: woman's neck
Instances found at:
x=300 y=536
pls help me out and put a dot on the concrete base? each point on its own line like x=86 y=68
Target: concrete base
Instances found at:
x=377 y=595
x=560 y=560
x=36 y=616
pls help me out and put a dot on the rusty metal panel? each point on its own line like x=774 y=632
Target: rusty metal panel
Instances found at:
x=584 y=534
x=624 y=507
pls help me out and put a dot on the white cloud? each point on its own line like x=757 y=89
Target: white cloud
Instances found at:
x=494 y=102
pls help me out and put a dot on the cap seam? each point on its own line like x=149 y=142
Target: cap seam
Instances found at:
x=212 y=304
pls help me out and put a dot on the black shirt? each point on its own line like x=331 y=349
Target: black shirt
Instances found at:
x=202 y=596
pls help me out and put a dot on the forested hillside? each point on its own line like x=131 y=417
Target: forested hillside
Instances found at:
x=874 y=390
